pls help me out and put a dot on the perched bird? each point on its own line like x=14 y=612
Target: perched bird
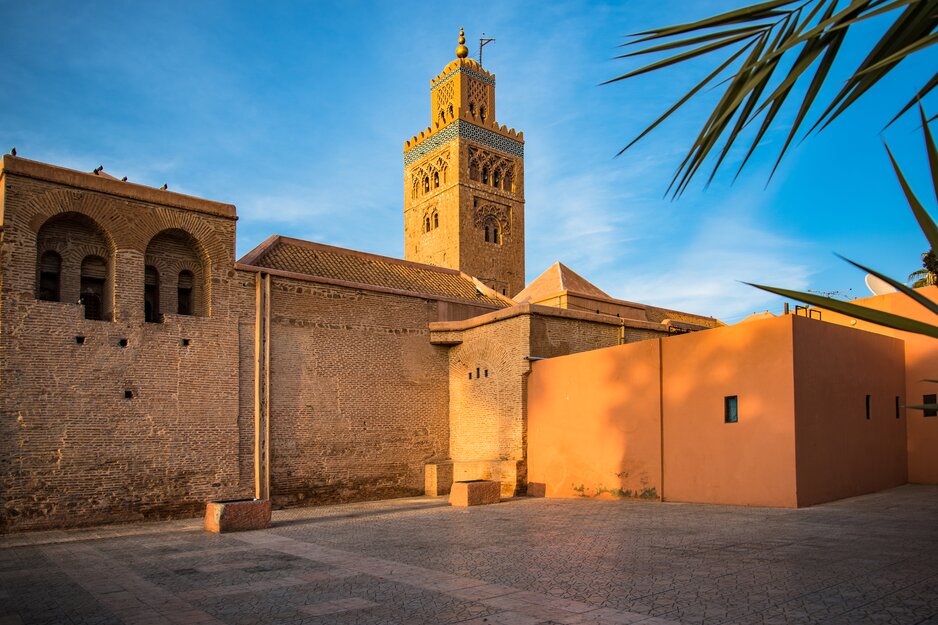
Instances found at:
x=164 y=187
x=13 y=152
x=124 y=179
x=98 y=169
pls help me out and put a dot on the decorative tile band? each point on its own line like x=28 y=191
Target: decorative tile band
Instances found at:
x=469 y=72
x=464 y=130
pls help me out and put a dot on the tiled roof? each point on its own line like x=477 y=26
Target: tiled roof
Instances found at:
x=557 y=278
x=335 y=263
x=561 y=279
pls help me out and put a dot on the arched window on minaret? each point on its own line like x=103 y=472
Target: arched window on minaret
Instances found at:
x=436 y=220
x=496 y=178
x=487 y=233
x=485 y=175
x=436 y=180
x=472 y=109
x=482 y=113
x=427 y=223
x=426 y=184
x=495 y=238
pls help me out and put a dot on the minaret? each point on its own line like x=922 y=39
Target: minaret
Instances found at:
x=464 y=181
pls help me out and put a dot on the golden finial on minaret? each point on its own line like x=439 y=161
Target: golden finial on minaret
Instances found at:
x=461 y=50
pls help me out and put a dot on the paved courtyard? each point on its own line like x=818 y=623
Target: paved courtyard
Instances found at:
x=871 y=559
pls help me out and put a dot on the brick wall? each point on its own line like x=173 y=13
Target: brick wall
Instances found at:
x=488 y=373
x=358 y=393
x=129 y=423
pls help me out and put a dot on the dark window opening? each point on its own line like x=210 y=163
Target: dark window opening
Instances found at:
x=50 y=270
x=122 y=342
x=470 y=375
x=184 y=293
x=898 y=405
x=482 y=113
x=867 y=407
x=930 y=399
x=185 y=342
x=436 y=220
x=472 y=109
x=486 y=373
x=731 y=409
x=451 y=113
x=128 y=394
x=151 y=294
x=80 y=340
x=495 y=238
x=503 y=292
x=496 y=178
x=426 y=224
x=91 y=289
x=477 y=372
x=436 y=179
x=485 y=175
x=486 y=234
x=426 y=184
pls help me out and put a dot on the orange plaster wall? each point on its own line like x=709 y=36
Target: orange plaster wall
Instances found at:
x=921 y=357
x=593 y=426
x=841 y=453
x=751 y=462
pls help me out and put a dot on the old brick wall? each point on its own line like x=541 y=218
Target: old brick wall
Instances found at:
x=358 y=394
x=488 y=380
x=130 y=423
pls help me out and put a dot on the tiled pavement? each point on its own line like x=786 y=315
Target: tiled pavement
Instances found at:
x=871 y=559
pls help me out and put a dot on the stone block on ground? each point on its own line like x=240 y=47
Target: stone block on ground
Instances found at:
x=475 y=493
x=237 y=515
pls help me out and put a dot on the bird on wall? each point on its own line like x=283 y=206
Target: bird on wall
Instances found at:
x=164 y=187
x=124 y=179
x=98 y=169
x=13 y=152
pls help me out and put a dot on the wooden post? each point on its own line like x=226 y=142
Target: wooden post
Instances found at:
x=262 y=389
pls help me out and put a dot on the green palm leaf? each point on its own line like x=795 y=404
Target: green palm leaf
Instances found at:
x=856 y=311
x=812 y=31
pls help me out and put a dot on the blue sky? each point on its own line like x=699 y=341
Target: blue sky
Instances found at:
x=297 y=112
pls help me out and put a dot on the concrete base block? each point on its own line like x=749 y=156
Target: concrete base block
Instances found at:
x=237 y=515
x=537 y=489
x=475 y=493
x=437 y=479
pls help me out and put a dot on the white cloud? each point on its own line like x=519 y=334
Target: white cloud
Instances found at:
x=705 y=275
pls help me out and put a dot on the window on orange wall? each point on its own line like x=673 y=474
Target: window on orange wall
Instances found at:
x=930 y=399
x=731 y=409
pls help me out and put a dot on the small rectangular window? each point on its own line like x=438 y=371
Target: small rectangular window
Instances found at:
x=730 y=409
x=898 y=405
x=930 y=399
x=867 y=407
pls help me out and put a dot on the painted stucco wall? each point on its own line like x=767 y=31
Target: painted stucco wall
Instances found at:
x=593 y=427
x=750 y=462
x=840 y=452
x=921 y=361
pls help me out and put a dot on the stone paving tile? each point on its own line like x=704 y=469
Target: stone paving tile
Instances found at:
x=871 y=559
x=337 y=605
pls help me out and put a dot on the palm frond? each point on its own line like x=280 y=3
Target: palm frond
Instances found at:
x=878 y=317
x=812 y=33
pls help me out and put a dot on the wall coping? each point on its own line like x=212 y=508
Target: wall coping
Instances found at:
x=86 y=181
x=531 y=309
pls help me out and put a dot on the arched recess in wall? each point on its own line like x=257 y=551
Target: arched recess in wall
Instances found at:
x=183 y=275
x=75 y=263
